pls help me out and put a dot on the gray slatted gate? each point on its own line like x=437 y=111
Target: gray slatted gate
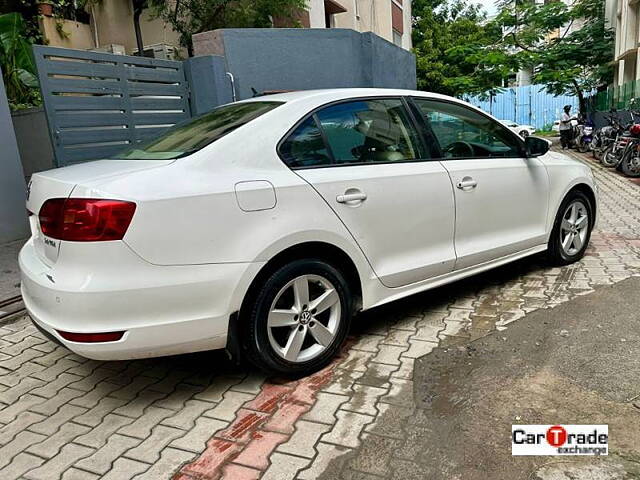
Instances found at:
x=99 y=103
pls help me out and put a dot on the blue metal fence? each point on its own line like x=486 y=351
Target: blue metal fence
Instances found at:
x=529 y=105
x=99 y=103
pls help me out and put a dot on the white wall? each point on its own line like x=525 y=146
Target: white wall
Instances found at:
x=13 y=216
x=316 y=13
x=407 y=42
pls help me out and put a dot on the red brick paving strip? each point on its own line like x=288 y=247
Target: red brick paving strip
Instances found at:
x=242 y=450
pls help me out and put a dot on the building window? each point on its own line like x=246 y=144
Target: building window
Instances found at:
x=397 y=23
x=397 y=38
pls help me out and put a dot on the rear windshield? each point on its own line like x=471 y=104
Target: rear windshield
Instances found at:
x=190 y=136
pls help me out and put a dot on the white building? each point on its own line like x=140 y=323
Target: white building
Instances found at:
x=622 y=16
x=109 y=25
x=389 y=19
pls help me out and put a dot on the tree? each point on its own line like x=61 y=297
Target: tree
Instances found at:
x=457 y=50
x=28 y=10
x=188 y=17
x=568 y=48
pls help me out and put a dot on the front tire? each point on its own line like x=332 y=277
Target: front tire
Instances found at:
x=299 y=318
x=608 y=159
x=597 y=153
x=630 y=164
x=571 y=229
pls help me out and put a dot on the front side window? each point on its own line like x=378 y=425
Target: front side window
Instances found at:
x=465 y=133
x=196 y=133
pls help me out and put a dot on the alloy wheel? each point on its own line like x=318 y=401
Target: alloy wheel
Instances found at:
x=304 y=318
x=574 y=228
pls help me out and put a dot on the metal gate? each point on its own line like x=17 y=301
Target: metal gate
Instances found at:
x=100 y=103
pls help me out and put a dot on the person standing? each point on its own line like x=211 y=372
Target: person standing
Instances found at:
x=566 y=129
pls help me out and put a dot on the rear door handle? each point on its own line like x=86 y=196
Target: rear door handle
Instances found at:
x=467 y=183
x=351 y=197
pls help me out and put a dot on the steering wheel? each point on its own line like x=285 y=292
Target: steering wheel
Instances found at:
x=459 y=149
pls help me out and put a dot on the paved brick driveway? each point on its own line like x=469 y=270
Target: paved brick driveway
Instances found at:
x=199 y=417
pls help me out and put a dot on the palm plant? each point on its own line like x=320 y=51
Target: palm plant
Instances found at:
x=17 y=63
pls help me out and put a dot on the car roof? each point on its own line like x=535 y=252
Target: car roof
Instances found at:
x=305 y=100
x=344 y=93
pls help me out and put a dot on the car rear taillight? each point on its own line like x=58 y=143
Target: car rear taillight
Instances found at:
x=91 y=337
x=85 y=219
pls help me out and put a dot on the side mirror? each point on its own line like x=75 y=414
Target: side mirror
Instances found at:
x=536 y=146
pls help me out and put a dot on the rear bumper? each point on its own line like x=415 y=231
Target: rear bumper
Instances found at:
x=163 y=310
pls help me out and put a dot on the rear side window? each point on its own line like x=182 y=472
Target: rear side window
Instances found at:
x=353 y=132
x=305 y=147
x=196 y=133
x=369 y=131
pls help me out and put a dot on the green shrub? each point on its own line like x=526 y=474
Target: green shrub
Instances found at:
x=17 y=63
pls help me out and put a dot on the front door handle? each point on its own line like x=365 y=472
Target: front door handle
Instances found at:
x=351 y=197
x=467 y=183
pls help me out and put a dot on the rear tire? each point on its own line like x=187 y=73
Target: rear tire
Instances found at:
x=571 y=229
x=299 y=318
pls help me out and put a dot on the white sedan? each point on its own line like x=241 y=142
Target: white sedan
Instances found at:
x=523 y=130
x=264 y=225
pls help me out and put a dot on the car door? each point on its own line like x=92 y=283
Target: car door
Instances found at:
x=501 y=195
x=367 y=161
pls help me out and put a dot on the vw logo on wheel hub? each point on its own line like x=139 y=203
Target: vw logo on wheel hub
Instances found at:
x=305 y=317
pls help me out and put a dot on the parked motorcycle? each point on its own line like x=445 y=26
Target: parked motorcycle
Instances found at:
x=605 y=136
x=630 y=162
x=613 y=154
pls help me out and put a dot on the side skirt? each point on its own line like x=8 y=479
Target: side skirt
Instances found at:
x=401 y=292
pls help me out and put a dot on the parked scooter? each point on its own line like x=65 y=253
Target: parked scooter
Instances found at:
x=577 y=128
x=575 y=132
x=584 y=136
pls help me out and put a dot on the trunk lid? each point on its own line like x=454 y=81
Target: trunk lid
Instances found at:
x=60 y=183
